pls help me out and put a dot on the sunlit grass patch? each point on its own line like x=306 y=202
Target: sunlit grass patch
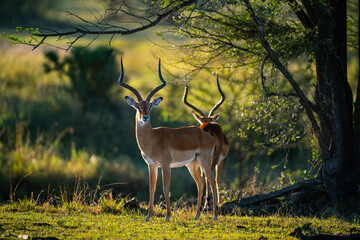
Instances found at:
x=95 y=213
x=131 y=225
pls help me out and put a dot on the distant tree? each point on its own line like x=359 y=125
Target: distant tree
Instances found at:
x=91 y=72
x=237 y=31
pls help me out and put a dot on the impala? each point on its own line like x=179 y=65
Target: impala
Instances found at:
x=170 y=148
x=210 y=125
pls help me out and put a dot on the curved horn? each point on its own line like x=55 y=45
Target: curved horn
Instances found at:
x=216 y=106
x=120 y=81
x=163 y=84
x=188 y=104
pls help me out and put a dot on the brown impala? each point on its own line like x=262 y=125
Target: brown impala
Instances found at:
x=171 y=147
x=210 y=125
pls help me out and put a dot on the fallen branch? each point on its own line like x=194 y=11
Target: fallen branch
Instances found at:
x=270 y=199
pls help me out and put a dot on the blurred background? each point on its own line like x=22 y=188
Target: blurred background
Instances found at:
x=64 y=121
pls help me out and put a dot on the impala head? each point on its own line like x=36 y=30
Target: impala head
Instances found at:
x=199 y=115
x=142 y=107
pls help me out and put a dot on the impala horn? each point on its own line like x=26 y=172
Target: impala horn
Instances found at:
x=163 y=84
x=120 y=81
x=187 y=103
x=217 y=105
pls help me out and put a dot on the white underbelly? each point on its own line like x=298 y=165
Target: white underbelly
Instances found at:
x=151 y=162
x=179 y=159
x=181 y=164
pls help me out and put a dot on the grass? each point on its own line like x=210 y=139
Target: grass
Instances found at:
x=86 y=213
x=29 y=220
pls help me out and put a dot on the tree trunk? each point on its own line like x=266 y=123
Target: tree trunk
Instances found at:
x=334 y=97
x=357 y=113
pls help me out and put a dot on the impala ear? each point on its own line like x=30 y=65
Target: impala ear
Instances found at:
x=156 y=102
x=216 y=117
x=197 y=117
x=131 y=101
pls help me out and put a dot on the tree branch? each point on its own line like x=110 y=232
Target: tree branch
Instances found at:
x=303 y=99
x=300 y=13
x=107 y=29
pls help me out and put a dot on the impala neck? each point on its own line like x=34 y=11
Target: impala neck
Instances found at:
x=204 y=124
x=144 y=134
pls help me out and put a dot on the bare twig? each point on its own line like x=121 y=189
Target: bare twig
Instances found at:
x=12 y=192
x=41 y=42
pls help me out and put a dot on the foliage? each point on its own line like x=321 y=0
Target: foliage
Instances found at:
x=91 y=72
x=276 y=119
x=227 y=35
x=17 y=40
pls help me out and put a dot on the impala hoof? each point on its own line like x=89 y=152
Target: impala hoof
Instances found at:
x=215 y=218
x=147 y=218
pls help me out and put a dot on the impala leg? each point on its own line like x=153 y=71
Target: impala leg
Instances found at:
x=207 y=197
x=215 y=160
x=210 y=176
x=212 y=182
x=153 y=172
x=166 y=174
x=218 y=171
x=195 y=173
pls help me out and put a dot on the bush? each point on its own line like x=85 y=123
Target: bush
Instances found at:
x=91 y=72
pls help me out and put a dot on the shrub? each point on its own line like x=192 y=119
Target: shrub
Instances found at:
x=91 y=72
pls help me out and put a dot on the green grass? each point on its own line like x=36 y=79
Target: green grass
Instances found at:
x=26 y=219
